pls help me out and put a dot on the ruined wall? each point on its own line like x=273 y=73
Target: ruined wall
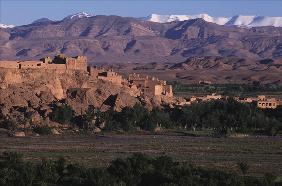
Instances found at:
x=139 y=83
x=59 y=62
x=213 y=97
x=110 y=76
x=10 y=76
x=9 y=64
x=93 y=72
x=168 y=90
x=267 y=104
x=70 y=63
x=151 y=86
x=77 y=63
x=81 y=63
x=158 y=90
x=32 y=64
x=114 y=79
x=57 y=67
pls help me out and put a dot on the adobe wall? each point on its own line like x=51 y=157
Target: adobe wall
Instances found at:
x=152 y=83
x=57 y=67
x=158 y=90
x=9 y=64
x=32 y=64
x=113 y=79
x=70 y=63
x=168 y=90
x=110 y=75
x=151 y=86
x=93 y=72
x=10 y=76
x=210 y=97
x=61 y=63
x=267 y=104
x=76 y=63
x=139 y=82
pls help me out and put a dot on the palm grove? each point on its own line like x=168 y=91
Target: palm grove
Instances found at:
x=136 y=170
x=223 y=117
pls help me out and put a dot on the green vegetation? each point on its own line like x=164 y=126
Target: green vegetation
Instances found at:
x=42 y=130
x=244 y=167
x=219 y=117
x=137 y=169
x=62 y=114
x=130 y=119
x=262 y=154
x=223 y=117
x=253 y=89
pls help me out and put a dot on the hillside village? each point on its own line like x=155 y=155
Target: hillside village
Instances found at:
x=30 y=90
x=261 y=101
x=37 y=85
x=137 y=85
x=143 y=85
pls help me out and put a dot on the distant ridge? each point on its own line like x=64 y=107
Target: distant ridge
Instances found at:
x=247 y=21
x=237 y=20
x=42 y=20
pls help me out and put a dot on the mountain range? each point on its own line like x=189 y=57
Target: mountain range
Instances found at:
x=238 y=20
x=127 y=40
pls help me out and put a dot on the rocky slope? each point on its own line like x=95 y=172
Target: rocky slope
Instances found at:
x=39 y=88
x=213 y=69
x=28 y=96
x=34 y=93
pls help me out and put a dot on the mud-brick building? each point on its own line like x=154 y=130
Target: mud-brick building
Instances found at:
x=106 y=75
x=264 y=102
x=151 y=86
x=60 y=62
x=22 y=64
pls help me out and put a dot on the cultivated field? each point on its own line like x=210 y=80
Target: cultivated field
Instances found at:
x=263 y=154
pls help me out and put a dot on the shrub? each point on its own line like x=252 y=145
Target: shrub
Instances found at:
x=137 y=169
x=244 y=167
x=62 y=114
x=42 y=130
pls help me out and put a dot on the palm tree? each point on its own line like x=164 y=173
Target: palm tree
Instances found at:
x=244 y=167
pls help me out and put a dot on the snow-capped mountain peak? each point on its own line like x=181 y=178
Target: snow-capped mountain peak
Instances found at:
x=6 y=26
x=78 y=15
x=238 y=20
x=170 y=18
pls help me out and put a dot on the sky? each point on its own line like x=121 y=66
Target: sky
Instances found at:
x=19 y=12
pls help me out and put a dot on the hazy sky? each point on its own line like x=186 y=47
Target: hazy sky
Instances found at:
x=19 y=12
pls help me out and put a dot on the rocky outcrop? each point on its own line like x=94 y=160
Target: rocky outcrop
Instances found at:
x=56 y=88
x=39 y=88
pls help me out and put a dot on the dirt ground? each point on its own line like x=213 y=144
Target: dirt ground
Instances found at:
x=263 y=154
